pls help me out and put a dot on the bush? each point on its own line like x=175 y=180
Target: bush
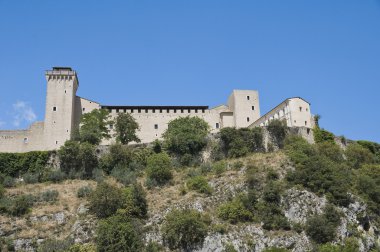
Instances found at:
x=322 y=135
x=219 y=167
x=234 y=212
x=275 y=249
x=124 y=175
x=118 y=156
x=135 y=204
x=278 y=130
x=9 y=182
x=186 y=135
x=159 y=168
x=31 y=178
x=119 y=233
x=322 y=228
x=84 y=191
x=154 y=247
x=49 y=196
x=78 y=158
x=126 y=128
x=20 y=205
x=55 y=245
x=199 y=184
x=184 y=229
x=229 y=248
x=15 y=164
x=105 y=200
x=358 y=155
x=57 y=176
x=82 y=248
x=240 y=142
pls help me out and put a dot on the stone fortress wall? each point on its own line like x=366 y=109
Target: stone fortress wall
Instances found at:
x=64 y=110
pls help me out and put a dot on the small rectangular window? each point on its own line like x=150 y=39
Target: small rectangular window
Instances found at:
x=54 y=108
x=146 y=110
x=305 y=123
x=175 y=111
x=253 y=107
x=56 y=142
x=300 y=109
x=189 y=110
x=196 y=111
x=131 y=110
x=247 y=119
x=156 y=126
x=25 y=140
x=83 y=109
x=154 y=111
x=139 y=110
x=248 y=98
x=160 y=110
x=217 y=125
x=181 y=110
x=168 y=110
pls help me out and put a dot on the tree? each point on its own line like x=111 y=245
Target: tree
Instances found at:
x=184 y=229
x=159 y=168
x=126 y=127
x=119 y=233
x=186 y=135
x=94 y=126
x=135 y=204
x=317 y=117
x=78 y=158
x=105 y=200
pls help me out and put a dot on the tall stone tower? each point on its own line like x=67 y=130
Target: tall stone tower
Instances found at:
x=245 y=106
x=62 y=85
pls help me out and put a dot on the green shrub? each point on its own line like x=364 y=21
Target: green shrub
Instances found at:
x=56 y=176
x=119 y=233
x=219 y=167
x=94 y=126
x=229 y=248
x=154 y=247
x=124 y=175
x=330 y=150
x=358 y=155
x=237 y=165
x=184 y=229
x=186 y=135
x=159 y=168
x=135 y=204
x=199 y=184
x=55 y=245
x=49 y=196
x=105 y=200
x=20 y=205
x=240 y=142
x=2 y=191
x=322 y=228
x=278 y=130
x=118 y=156
x=9 y=182
x=275 y=249
x=84 y=191
x=31 y=178
x=82 y=248
x=16 y=164
x=322 y=135
x=234 y=211
x=126 y=128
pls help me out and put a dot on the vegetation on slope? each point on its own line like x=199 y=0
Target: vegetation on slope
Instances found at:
x=132 y=183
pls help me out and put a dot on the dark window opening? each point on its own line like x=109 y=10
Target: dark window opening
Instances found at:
x=203 y=111
x=305 y=123
x=300 y=109
x=139 y=110
x=196 y=111
x=54 y=108
x=160 y=110
x=248 y=98
x=83 y=109
x=253 y=107
x=217 y=125
x=25 y=140
x=56 y=142
x=247 y=119
x=175 y=111
x=181 y=110
x=156 y=126
x=168 y=110
x=146 y=110
x=131 y=110
x=154 y=111
x=189 y=110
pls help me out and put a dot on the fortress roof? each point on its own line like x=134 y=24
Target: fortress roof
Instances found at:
x=154 y=107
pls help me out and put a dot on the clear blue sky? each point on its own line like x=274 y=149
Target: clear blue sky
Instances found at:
x=195 y=52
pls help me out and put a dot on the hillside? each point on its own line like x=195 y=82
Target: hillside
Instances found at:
x=289 y=196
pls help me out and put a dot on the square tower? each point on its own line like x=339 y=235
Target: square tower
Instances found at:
x=245 y=106
x=62 y=84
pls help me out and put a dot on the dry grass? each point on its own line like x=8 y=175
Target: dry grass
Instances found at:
x=67 y=203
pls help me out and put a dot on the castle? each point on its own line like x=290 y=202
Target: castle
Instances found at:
x=64 y=110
